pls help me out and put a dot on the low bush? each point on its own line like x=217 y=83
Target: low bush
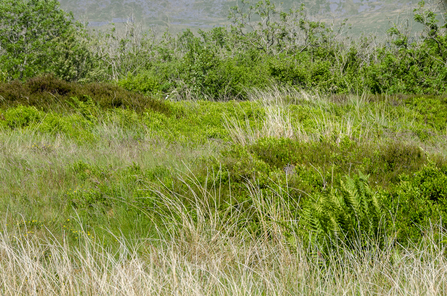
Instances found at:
x=418 y=201
x=145 y=83
x=48 y=92
x=317 y=164
x=21 y=117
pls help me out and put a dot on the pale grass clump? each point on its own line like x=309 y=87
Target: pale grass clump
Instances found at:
x=284 y=95
x=279 y=123
x=352 y=117
x=276 y=124
x=204 y=252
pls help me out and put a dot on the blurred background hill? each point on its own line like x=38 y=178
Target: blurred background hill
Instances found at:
x=367 y=16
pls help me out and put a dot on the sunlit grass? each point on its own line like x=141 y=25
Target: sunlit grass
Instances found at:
x=205 y=257
x=145 y=205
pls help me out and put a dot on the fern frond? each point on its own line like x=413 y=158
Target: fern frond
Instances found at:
x=345 y=214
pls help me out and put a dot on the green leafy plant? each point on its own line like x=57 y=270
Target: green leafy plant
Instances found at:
x=345 y=214
x=417 y=201
x=22 y=116
x=145 y=83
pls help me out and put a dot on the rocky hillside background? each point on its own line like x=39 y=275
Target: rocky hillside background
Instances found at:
x=364 y=15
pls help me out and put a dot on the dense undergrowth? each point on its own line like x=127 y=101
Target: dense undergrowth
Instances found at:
x=109 y=164
x=337 y=151
x=321 y=176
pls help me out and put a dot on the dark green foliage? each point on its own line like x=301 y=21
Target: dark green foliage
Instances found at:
x=47 y=92
x=345 y=215
x=37 y=36
x=317 y=164
x=302 y=72
x=209 y=73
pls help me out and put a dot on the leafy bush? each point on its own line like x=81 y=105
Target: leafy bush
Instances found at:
x=198 y=122
x=210 y=73
x=38 y=37
x=326 y=160
x=22 y=116
x=418 y=201
x=145 y=83
x=74 y=126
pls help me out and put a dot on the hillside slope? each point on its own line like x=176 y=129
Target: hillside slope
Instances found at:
x=372 y=16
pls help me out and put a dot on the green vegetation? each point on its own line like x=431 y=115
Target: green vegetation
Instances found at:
x=301 y=167
x=317 y=175
x=38 y=37
x=263 y=47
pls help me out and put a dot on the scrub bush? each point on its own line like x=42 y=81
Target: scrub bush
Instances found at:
x=419 y=200
x=48 y=92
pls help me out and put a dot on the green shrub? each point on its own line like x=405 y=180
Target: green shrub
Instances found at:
x=48 y=92
x=384 y=162
x=74 y=126
x=22 y=116
x=3 y=76
x=209 y=74
x=418 y=201
x=145 y=83
x=85 y=107
x=303 y=72
x=198 y=122
x=38 y=37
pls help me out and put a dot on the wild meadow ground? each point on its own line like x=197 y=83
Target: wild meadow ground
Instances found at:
x=219 y=198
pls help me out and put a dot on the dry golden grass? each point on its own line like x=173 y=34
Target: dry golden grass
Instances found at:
x=213 y=265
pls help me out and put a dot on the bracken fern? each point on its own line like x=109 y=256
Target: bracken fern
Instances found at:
x=344 y=214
